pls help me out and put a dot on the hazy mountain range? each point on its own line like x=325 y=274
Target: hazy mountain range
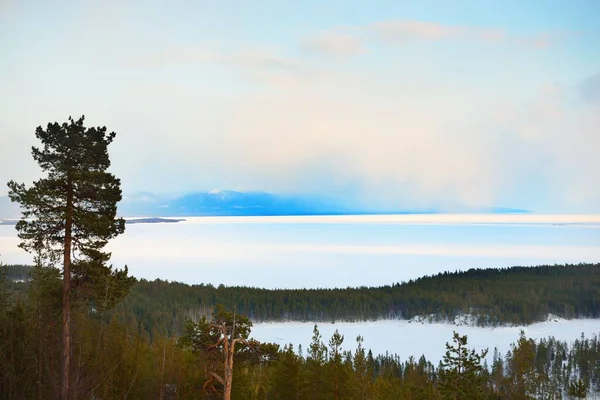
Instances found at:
x=233 y=203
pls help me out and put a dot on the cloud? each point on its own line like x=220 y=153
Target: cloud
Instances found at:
x=419 y=148
x=589 y=90
x=404 y=30
x=555 y=148
x=334 y=44
x=207 y=54
x=293 y=131
x=417 y=127
x=538 y=41
x=408 y=29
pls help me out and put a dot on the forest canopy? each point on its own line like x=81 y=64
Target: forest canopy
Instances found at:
x=517 y=295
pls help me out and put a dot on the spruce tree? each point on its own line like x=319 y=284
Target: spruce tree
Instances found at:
x=70 y=214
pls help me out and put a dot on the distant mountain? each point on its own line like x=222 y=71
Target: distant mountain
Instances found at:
x=234 y=203
x=228 y=203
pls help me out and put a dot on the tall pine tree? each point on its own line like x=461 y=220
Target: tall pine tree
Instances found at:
x=70 y=214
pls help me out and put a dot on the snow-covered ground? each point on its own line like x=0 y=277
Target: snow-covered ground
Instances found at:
x=413 y=338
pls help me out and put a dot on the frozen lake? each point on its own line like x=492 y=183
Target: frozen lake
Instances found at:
x=415 y=339
x=340 y=251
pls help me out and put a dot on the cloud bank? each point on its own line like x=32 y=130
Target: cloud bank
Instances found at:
x=390 y=112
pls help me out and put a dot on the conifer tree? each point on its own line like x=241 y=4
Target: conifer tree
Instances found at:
x=335 y=359
x=316 y=358
x=523 y=379
x=578 y=389
x=361 y=373
x=460 y=377
x=317 y=352
x=70 y=214
x=286 y=376
x=226 y=333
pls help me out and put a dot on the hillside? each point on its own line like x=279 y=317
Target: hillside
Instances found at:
x=518 y=295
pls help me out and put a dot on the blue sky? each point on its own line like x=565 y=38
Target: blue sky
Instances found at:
x=393 y=104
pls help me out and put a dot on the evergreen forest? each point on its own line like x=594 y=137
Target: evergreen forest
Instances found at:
x=518 y=295
x=121 y=353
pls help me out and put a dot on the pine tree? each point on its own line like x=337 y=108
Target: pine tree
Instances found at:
x=286 y=375
x=316 y=383
x=361 y=373
x=226 y=333
x=335 y=360
x=461 y=374
x=523 y=379
x=70 y=214
x=3 y=294
x=578 y=389
x=317 y=352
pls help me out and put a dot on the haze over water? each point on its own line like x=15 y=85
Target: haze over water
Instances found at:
x=340 y=251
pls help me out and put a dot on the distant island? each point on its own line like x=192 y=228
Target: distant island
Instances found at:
x=153 y=220
x=150 y=220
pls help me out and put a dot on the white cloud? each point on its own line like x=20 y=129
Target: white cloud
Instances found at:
x=590 y=89
x=409 y=29
x=562 y=135
x=404 y=30
x=539 y=41
x=408 y=124
x=351 y=130
x=335 y=44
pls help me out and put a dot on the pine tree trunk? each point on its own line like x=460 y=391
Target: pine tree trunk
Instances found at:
x=161 y=385
x=39 y=355
x=228 y=382
x=66 y=300
x=228 y=375
x=336 y=387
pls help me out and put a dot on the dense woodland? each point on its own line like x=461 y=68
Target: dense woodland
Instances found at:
x=116 y=357
x=518 y=295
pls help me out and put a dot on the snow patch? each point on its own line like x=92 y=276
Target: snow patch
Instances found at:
x=462 y=319
x=554 y=318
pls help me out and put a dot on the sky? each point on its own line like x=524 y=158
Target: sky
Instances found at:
x=394 y=104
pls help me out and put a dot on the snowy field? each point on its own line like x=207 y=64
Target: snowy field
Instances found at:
x=416 y=339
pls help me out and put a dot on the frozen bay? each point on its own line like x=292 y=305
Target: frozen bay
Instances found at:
x=340 y=251
x=416 y=339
